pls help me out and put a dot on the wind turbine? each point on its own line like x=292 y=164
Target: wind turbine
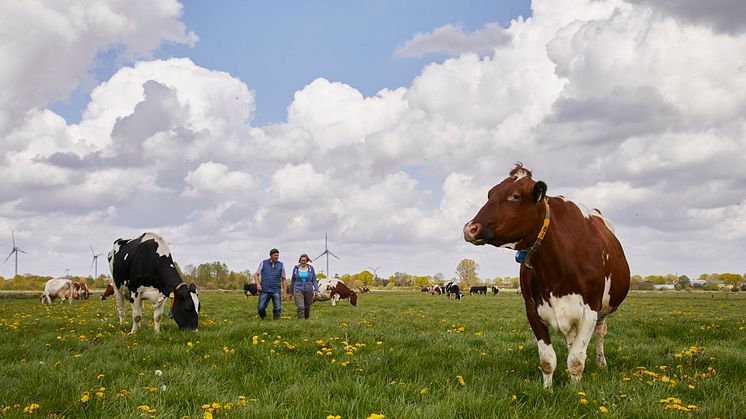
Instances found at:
x=15 y=250
x=375 y=275
x=327 y=252
x=94 y=262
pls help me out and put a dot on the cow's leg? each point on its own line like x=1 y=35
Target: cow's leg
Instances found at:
x=158 y=312
x=335 y=298
x=119 y=299
x=577 y=353
x=547 y=356
x=598 y=335
x=136 y=311
x=570 y=337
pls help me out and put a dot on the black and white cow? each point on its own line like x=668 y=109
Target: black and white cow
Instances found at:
x=249 y=289
x=495 y=290
x=143 y=267
x=452 y=288
x=478 y=289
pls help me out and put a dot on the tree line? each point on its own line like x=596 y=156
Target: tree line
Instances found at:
x=216 y=275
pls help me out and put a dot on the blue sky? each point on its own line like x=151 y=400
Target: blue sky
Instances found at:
x=278 y=47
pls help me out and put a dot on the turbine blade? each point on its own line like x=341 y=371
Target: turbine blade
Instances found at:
x=13 y=235
x=91 y=268
x=11 y=254
x=22 y=251
x=314 y=259
x=333 y=255
x=92 y=252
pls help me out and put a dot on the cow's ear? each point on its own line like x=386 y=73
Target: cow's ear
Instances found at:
x=540 y=191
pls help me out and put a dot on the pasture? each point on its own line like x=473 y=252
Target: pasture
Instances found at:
x=398 y=354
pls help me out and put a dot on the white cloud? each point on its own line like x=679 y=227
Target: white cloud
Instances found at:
x=216 y=179
x=451 y=39
x=48 y=46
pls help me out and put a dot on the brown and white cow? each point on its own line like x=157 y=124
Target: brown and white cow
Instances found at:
x=573 y=269
x=57 y=288
x=80 y=291
x=335 y=290
x=108 y=292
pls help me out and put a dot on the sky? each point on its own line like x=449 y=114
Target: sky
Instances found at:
x=233 y=127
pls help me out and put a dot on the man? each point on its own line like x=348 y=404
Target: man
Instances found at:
x=270 y=283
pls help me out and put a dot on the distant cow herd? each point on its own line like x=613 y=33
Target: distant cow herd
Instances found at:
x=451 y=289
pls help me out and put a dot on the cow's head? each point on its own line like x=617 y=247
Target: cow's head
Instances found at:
x=353 y=298
x=512 y=214
x=84 y=292
x=185 y=308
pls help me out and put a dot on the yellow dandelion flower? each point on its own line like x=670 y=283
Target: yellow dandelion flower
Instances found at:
x=583 y=401
x=31 y=408
x=460 y=379
x=85 y=397
x=581 y=393
x=424 y=390
x=100 y=377
x=514 y=398
x=375 y=416
x=207 y=415
x=189 y=344
x=333 y=417
x=216 y=405
x=603 y=409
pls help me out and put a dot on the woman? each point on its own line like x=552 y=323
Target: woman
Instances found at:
x=304 y=286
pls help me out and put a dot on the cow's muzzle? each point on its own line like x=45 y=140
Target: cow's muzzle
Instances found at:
x=474 y=233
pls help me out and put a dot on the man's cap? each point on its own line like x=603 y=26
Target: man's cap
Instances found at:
x=273 y=251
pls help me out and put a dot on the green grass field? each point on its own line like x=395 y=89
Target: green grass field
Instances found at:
x=398 y=354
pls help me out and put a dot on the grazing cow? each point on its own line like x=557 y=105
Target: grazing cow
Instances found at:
x=452 y=288
x=80 y=290
x=573 y=270
x=143 y=267
x=335 y=290
x=249 y=289
x=478 y=290
x=425 y=289
x=495 y=290
x=364 y=289
x=58 y=287
x=108 y=292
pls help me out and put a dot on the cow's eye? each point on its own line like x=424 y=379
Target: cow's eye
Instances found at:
x=514 y=197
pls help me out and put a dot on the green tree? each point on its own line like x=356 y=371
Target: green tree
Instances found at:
x=402 y=279
x=466 y=272
x=365 y=278
x=731 y=279
x=422 y=281
x=684 y=282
